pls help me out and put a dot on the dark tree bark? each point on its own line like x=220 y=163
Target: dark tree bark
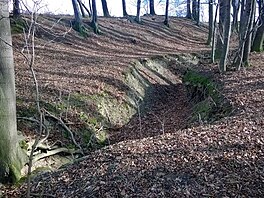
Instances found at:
x=16 y=9
x=259 y=38
x=244 y=31
x=77 y=16
x=235 y=6
x=242 y=9
x=152 y=7
x=94 y=17
x=198 y=13
x=138 y=11
x=194 y=9
x=87 y=10
x=248 y=42
x=227 y=33
x=189 y=13
x=211 y=22
x=81 y=8
x=105 y=8
x=220 y=40
x=124 y=8
x=166 y=21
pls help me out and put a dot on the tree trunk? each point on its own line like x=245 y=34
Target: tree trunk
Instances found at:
x=81 y=8
x=77 y=16
x=194 y=9
x=242 y=9
x=12 y=157
x=94 y=18
x=220 y=35
x=235 y=6
x=211 y=22
x=259 y=38
x=166 y=21
x=16 y=9
x=152 y=7
x=189 y=13
x=138 y=11
x=227 y=33
x=124 y=8
x=105 y=8
x=243 y=33
x=248 y=42
x=214 y=35
x=198 y=13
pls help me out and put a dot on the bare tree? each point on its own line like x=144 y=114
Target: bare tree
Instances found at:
x=248 y=42
x=189 y=13
x=78 y=25
x=198 y=13
x=226 y=36
x=166 y=21
x=259 y=38
x=94 y=17
x=211 y=22
x=138 y=11
x=105 y=8
x=124 y=8
x=81 y=8
x=152 y=7
x=235 y=6
x=16 y=8
x=244 y=32
x=194 y=9
x=12 y=157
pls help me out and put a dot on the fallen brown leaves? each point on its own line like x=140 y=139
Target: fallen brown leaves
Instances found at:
x=223 y=159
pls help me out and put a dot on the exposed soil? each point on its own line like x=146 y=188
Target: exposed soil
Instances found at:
x=222 y=159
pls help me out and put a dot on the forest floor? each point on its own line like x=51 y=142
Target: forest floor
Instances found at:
x=221 y=159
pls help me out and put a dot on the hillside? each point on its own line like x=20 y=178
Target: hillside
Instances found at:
x=157 y=153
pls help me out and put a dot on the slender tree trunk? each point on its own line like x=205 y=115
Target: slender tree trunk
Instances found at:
x=138 y=11
x=214 y=35
x=211 y=22
x=77 y=16
x=16 y=8
x=189 y=13
x=248 y=42
x=152 y=7
x=198 y=13
x=235 y=6
x=166 y=21
x=87 y=10
x=244 y=26
x=194 y=9
x=105 y=8
x=81 y=8
x=242 y=9
x=259 y=38
x=227 y=33
x=94 y=18
x=220 y=36
x=11 y=156
x=124 y=8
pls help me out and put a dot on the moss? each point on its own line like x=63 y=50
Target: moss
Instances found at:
x=202 y=84
x=23 y=144
x=208 y=103
x=18 y=25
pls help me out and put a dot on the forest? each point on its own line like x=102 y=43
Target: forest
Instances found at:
x=139 y=105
